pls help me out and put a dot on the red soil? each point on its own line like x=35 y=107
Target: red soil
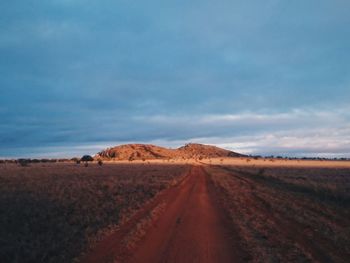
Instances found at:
x=192 y=228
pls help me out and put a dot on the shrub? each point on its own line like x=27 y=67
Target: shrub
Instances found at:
x=87 y=158
x=23 y=162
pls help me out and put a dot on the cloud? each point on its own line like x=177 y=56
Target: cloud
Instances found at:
x=249 y=122
x=296 y=133
x=96 y=72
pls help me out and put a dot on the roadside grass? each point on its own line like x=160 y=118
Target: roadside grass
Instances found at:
x=52 y=212
x=287 y=214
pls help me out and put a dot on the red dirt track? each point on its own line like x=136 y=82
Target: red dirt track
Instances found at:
x=192 y=228
x=176 y=210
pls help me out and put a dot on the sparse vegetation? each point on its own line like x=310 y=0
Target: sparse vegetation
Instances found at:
x=51 y=212
x=277 y=209
x=281 y=211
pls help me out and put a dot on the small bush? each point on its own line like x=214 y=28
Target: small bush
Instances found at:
x=23 y=162
x=87 y=158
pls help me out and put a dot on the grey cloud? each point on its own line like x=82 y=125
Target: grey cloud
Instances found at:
x=89 y=72
x=297 y=132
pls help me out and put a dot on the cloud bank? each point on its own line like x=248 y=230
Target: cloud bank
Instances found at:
x=258 y=77
x=296 y=133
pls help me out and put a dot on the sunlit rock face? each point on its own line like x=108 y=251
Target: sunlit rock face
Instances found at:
x=148 y=151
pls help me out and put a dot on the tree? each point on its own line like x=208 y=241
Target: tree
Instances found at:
x=23 y=162
x=86 y=158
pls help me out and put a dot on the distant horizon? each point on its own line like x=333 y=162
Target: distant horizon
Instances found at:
x=87 y=150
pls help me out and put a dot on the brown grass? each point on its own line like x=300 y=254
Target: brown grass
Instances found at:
x=283 y=210
x=288 y=213
x=50 y=212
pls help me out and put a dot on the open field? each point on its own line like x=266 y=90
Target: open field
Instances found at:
x=288 y=214
x=51 y=212
x=252 y=162
x=215 y=210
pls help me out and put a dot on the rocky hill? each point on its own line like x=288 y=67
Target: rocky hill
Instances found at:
x=206 y=151
x=148 y=151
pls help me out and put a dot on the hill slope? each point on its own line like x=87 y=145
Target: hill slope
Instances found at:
x=149 y=151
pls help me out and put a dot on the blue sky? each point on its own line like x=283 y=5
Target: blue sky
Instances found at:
x=259 y=77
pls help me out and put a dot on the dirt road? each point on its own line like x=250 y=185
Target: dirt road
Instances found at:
x=191 y=228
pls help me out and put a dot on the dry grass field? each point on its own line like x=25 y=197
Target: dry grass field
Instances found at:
x=288 y=213
x=50 y=212
x=212 y=210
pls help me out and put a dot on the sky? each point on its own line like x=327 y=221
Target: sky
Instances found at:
x=257 y=77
